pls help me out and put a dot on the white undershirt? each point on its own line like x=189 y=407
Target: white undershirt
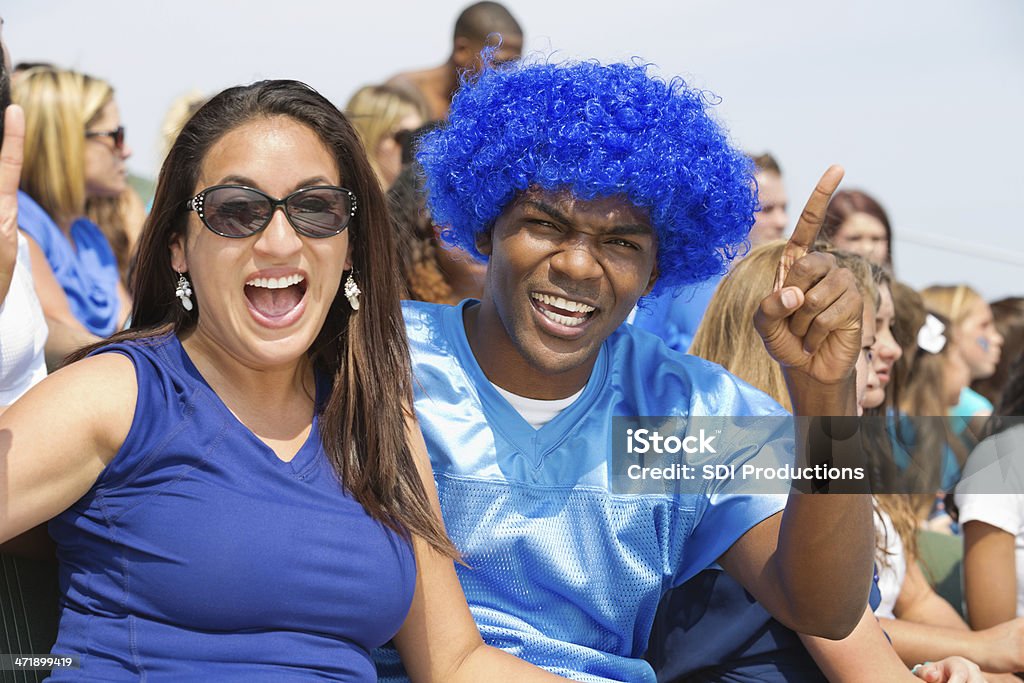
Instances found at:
x=537 y=411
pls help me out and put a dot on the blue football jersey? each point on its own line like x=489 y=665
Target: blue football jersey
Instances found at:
x=564 y=571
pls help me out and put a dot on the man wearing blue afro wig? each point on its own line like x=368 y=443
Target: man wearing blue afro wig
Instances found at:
x=585 y=187
x=589 y=128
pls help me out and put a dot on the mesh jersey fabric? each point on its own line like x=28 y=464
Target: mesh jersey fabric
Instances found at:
x=200 y=555
x=564 y=573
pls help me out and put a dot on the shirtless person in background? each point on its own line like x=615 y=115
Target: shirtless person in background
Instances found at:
x=483 y=24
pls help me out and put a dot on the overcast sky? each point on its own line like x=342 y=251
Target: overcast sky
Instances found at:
x=921 y=100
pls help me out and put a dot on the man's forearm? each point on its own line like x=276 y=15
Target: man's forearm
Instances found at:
x=827 y=542
x=825 y=561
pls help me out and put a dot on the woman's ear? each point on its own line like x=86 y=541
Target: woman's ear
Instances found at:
x=179 y=262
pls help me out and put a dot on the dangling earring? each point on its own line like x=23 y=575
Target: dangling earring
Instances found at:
x=184 y=292
x=352 y=292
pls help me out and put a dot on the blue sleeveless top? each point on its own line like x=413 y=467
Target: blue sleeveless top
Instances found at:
x=200 y=555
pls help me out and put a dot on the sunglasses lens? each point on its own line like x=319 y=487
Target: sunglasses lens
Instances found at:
x=236 y=211
x=319 y=212
x=119 y=137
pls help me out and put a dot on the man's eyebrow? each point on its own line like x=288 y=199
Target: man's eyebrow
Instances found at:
x=548 y=209
x=631 y=229
x=624 y=229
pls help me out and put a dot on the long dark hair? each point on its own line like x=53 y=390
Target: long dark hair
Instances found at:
x=1009 y=411
x=363 y=423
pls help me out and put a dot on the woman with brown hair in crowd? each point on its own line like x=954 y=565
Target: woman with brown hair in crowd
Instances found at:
x=856 y=222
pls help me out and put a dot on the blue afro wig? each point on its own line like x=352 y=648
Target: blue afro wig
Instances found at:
x=598 y=130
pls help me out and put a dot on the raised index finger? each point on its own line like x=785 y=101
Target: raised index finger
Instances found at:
x=809 y=224
x=11 y=154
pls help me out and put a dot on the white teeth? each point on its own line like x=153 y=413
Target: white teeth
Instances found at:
x=565 y=305
x=564 y=319
x=275 y=282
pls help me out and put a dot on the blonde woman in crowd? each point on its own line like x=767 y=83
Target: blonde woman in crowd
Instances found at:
x=978 y=342
x=74 y=150
x=383 y=115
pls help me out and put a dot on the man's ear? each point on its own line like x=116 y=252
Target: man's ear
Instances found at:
x=484 y=243
x=179 y=262
x=463 y=53
x=653 y=280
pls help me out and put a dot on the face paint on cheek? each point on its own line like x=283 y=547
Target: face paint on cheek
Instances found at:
x=984 y=343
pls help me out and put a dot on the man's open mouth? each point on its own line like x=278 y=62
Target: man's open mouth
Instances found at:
x=562 y=311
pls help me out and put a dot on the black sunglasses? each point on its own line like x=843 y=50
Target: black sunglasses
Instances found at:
x=117 y=135
x=240 y=211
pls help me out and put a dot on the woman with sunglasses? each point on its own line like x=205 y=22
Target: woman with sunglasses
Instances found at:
x=238 y=488
x=74 y=152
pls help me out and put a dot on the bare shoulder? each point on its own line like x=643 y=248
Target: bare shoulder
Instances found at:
x=94 y=397
x=56 y=440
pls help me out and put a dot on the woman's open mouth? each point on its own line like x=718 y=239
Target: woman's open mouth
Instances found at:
x=276 y=301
